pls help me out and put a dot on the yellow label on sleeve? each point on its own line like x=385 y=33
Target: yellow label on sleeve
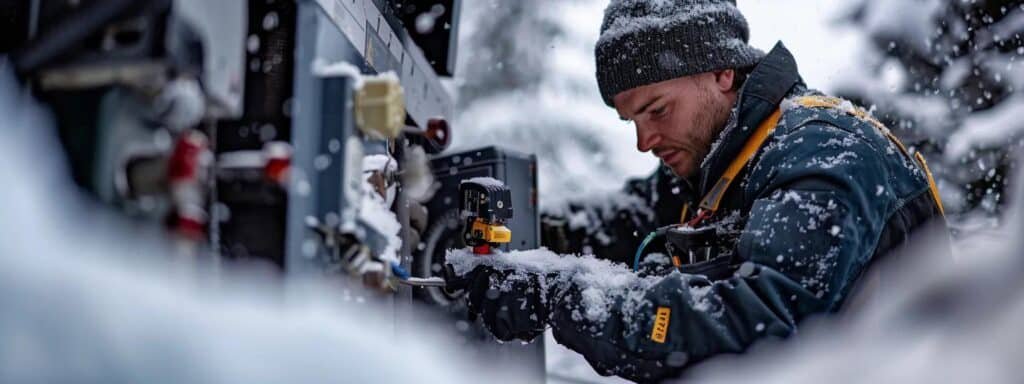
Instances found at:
x=660 y=331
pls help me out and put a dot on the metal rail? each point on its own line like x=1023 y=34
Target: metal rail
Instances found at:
x=370 y=34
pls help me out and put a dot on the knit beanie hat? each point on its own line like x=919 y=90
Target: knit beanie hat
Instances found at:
x=649 y=41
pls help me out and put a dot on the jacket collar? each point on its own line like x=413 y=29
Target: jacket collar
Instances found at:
x=771 y=80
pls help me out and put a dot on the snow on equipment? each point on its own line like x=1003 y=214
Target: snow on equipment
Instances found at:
x=305 y=135
x=447 y=224
x=486 y=205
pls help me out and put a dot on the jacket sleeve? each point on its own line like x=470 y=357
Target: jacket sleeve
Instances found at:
x=811 y=229
x=613 y=226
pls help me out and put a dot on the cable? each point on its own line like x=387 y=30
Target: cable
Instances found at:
x=640 y=251
x=647 y=240
x=399 y=272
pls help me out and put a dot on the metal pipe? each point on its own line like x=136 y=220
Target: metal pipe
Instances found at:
x=424 y=282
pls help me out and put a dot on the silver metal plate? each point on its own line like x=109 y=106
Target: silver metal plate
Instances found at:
x=425 y=97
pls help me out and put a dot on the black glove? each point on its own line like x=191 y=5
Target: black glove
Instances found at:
x=512 y=306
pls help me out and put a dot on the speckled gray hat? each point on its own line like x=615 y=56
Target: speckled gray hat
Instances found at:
x=649 y=41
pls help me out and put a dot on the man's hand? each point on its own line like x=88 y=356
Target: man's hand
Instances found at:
x=512 y=305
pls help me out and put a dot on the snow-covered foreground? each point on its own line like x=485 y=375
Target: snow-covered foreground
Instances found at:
x=88 y=297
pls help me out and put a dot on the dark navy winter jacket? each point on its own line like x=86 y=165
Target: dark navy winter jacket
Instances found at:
x=826 y=196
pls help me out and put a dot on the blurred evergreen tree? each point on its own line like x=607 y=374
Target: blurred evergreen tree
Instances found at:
x=525 y=82
x=950 y=75
x=503 y=47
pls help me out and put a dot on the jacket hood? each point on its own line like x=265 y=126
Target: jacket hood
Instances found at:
x=772 y=79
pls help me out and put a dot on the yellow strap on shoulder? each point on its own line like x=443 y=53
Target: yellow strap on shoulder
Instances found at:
x=818 y=101
x=860 y=113
x=714 y=196
x=931 y=183
x=713 y=199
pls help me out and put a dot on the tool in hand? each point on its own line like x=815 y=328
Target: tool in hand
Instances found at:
x=485 y=205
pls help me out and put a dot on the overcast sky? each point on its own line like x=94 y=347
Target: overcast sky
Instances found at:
x=823 y=48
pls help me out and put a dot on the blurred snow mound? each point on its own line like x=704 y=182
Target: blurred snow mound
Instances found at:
x=89 y=298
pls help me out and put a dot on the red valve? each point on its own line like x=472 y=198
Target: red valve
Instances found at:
x=279 y=160
x=187 y=157
x=439 y=132
x=484 y=249
x=186 y=173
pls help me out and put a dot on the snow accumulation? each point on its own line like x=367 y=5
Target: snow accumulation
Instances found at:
x=659 y=15
x=341 y=68
x=485 y=181
x=601 y=283
x=375 y=210
x=382 y=163
x=833 y=161
x=181 y=103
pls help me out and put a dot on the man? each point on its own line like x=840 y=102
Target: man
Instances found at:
x=781 y=199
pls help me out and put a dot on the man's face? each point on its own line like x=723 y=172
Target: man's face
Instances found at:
x=678 y=119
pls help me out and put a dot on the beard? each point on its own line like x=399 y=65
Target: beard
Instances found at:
x=711 y=120
x=712 y=115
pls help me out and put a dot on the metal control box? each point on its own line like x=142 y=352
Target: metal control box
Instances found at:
x=518 y=172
